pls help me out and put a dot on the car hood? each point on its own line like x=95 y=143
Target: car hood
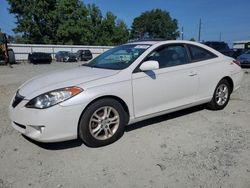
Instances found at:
x=56 y=80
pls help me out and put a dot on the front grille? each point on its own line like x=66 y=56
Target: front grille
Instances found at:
x=19 y=125
x=18 y=98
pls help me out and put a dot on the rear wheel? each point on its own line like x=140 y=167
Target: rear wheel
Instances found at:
x=221 y=96
x=11 y=56
x=79 y=58
x=102 y=123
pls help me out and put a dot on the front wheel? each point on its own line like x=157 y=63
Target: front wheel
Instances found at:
x=102 y=123
x=221 y=96
x=79 y=59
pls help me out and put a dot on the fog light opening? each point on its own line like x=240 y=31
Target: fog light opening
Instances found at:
x=39 y=128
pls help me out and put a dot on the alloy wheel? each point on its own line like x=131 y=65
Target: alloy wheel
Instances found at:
x=222 y=94
x=104 y=123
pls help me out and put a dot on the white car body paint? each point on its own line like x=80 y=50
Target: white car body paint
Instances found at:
x=172 y=88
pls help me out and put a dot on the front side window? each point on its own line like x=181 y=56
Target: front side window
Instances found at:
x=200 y=54
x=118 y=58
x=169 y=56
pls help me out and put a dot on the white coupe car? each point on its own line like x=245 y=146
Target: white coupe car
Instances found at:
x=124 y=85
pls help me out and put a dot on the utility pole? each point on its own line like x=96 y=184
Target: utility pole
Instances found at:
x=220 y=36
x=182 y=33
x=199 y=36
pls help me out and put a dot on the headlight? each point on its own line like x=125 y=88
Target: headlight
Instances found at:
x=52 y=98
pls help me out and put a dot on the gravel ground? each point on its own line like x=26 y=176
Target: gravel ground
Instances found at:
x=190 y=148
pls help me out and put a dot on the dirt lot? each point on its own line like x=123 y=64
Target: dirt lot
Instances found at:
x=191 y=148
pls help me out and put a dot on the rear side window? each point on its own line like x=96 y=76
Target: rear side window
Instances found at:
x=200 y=54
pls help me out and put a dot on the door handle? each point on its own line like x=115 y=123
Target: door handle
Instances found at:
x=192 y=74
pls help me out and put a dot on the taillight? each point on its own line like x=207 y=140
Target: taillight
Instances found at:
x=236 y=62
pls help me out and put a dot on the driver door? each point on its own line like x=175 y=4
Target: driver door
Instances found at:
x=174 y=84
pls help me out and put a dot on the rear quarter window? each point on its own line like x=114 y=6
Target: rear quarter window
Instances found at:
x=200 y=54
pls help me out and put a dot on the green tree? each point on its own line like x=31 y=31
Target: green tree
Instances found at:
x=71 y=16
x=35 y=20
x=121 y=33
x=94 y=21
x=155 y=24
x=18 y=39
x=107 y=29
x=66 y=22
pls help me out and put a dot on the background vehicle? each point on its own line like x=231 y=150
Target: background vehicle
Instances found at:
x=65 y=56
x=244 y=59
x=124 y=85
x=240 y=47
x=84 y=55
x=222 y=47
x=6 y=54
x=39 y=57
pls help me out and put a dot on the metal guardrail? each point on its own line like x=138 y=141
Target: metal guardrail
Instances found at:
x=22 y=50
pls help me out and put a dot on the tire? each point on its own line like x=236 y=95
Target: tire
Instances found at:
x=95 y=128
x=221 y=96
x=79 y=59
x=11 y=56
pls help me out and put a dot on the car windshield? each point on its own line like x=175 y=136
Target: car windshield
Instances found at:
x=118 y=58
x=87 y=52
x=63 y=52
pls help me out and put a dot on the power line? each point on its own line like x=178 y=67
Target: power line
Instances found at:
x=182 y=33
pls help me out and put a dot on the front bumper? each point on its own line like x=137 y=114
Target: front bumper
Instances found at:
x=57 y=123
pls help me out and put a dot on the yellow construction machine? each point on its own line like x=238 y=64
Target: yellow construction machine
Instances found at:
x=7 y=55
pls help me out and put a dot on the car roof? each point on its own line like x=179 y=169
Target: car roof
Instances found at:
x=63 y=52
x=165 y=42
x=145 y=42
x=214 y=42
x=40 y=53
x=153 y=42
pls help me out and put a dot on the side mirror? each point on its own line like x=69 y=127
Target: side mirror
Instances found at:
x=149 y=65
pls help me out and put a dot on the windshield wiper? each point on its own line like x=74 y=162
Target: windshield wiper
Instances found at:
x=103 y=67
x=92 y=66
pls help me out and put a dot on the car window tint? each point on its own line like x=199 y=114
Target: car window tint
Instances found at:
x=169 y=56
x=87 y=52
x=199 y=54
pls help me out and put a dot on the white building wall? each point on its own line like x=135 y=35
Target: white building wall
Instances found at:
x=22 y=50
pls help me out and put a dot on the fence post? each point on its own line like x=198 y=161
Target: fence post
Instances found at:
x=53 y=50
